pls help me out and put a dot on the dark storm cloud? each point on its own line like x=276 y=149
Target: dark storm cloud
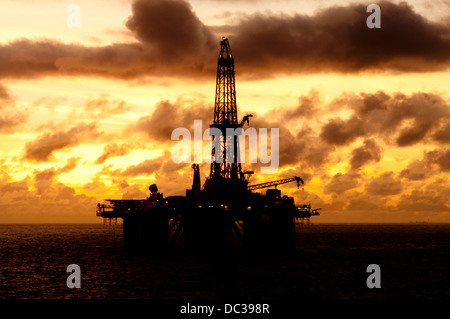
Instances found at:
x=399 y=119
x=338 y=39
x=172 y=40
x=41 y=149
x=171 y=28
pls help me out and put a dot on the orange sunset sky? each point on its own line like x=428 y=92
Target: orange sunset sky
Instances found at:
x=87 y=113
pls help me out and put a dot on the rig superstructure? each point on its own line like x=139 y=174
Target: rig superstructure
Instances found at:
x=207 y=216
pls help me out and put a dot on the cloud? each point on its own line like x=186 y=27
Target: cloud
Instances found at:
x=41 y=149
x=57 y=203
x=307 y=106
x=382 y=120
x=168 y=116
x=338 y=39
x=432 y=200
x=105 y=106
x=171 y=28
x=340 y=183
x=134 y=192
x=29 y=59
x=439 y=157
x=172 y=40
x=416 y=170
x=95 y=187
x=113 y=150
x=433 y=162
x=398 y=119
x=340 y=132
x=386 y=198
x=146 y=167
x=369 y=152
x=5 y=95
x=41 y=198
x=384 y=185
x=48 y=102
x=13 y=186
x=44 y=200
x=443 y=133
x=299 y=143
x=172 y=178
x=71 y=164
x=44 y=180
x=10 y=115
x=10 y=118
x=364 y=203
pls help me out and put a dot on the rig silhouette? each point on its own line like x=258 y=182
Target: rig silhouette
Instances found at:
x=208 y=215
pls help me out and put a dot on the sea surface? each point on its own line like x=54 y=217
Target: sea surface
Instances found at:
x=330 y=263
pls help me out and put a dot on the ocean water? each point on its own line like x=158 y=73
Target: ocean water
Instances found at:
x=330 y=263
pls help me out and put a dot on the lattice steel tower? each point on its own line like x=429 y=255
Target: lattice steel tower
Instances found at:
x=225 y=109
x=226 y=163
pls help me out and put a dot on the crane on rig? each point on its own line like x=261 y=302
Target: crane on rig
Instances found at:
x=276 y=183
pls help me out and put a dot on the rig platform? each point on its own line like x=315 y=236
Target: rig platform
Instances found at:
x=207 y=216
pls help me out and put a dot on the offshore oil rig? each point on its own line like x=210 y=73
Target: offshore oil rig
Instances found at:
x=207 y=216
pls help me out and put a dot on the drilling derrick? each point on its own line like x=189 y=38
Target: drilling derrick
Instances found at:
x=225 y=102
x=225 y=155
